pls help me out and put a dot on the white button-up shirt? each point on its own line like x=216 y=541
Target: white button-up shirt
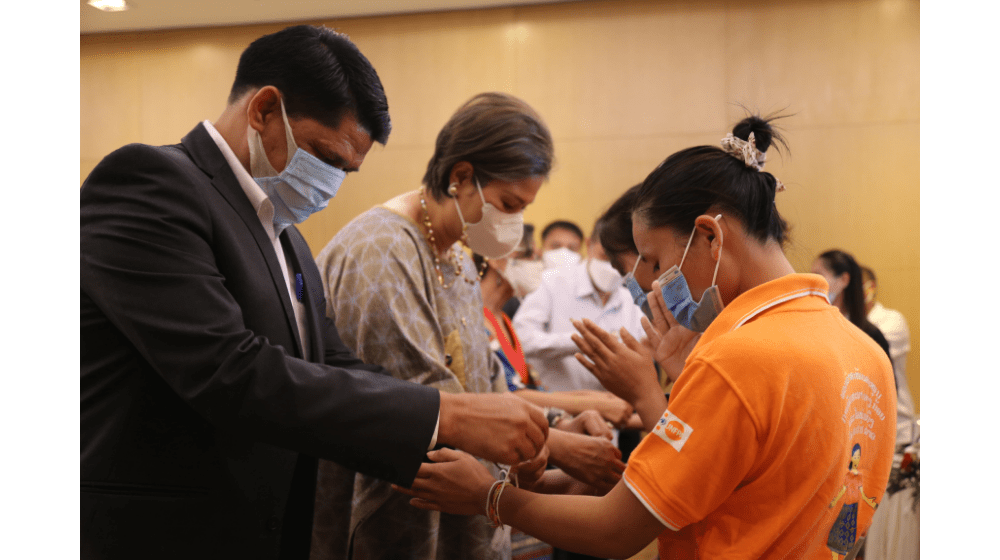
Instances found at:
x=265 y=212
x=543 y=324
x=894 y=328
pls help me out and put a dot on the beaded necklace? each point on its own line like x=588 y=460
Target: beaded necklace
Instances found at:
x=455 y=257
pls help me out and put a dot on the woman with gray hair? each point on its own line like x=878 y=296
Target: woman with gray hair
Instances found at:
x=405 y=295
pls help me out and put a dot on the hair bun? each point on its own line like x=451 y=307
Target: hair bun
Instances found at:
x=761 y=129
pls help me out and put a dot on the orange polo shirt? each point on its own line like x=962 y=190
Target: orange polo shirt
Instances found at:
x=754 y=450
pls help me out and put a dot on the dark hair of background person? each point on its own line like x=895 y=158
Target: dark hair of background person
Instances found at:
x=526 y=248
x=690 y=182
x=562 y=224
x=839 y=262
x=500 y=135
x=614 y=227
x=321 y=75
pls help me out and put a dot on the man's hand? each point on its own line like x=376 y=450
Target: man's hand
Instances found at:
x=497 y=427
x=593 y=460
x=588 y=423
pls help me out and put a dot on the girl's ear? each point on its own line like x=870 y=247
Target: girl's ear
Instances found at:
x=714 y=229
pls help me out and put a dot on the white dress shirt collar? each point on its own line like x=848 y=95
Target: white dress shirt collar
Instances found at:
x=258 y=198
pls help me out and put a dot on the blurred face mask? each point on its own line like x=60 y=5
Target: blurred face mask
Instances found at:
x=304 y=187
x=563 y=256
x=603 y=275
x=638 y=294
x=677 y=294
x=524 y=276
x=496 y=234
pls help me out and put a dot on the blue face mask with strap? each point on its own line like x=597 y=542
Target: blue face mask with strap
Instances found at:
x=638 y=294
x=304 y=187
x=677 y=295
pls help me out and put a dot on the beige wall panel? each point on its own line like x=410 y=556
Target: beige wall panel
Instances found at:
x=184 y=81
x=842 y=61
x=853 y=188
x=109 y=102
x=430 y=64
x=634 y=69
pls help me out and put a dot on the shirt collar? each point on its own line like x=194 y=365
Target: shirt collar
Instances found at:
x=258 y=198
x=584 y=287
x=811 y=288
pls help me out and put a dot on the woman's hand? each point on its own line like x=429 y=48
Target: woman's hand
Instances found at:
x=593 y=460
x=588 y=423
x=613 y=409
x=454 y=483
x=530 y=471
x=670 y=342
x=625 y=368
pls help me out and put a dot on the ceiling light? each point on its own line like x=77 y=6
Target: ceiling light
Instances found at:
x=109 y=5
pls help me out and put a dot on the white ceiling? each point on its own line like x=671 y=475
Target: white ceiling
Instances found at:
x=146 y=15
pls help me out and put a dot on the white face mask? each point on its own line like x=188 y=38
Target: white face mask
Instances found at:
x=524 y=276
x=603 y=275
x=496 y=234
x=556 y=258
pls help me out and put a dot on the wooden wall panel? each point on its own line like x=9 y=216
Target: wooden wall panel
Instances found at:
x=621 y=84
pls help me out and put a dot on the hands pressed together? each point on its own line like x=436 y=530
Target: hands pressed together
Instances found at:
x=625 y=367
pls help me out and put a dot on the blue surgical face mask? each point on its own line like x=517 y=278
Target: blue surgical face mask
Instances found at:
x=677 y=294
x=304 y=187
x=638 y=294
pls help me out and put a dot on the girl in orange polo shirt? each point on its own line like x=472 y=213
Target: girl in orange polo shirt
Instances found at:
x=766 y=410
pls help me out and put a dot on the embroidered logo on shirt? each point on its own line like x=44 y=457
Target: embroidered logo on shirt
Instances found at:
x=673 y=430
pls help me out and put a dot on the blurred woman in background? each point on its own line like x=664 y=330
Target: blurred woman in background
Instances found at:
x=846 y=292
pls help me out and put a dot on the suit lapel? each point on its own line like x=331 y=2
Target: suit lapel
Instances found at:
x=297 y=250
x=205 y=153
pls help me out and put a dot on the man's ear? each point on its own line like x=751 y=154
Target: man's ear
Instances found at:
x=263 y=106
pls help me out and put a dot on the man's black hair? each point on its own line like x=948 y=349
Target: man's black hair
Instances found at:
x=320 y=73
x=562 y=224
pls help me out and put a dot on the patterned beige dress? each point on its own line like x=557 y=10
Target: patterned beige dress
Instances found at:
x=383 y=293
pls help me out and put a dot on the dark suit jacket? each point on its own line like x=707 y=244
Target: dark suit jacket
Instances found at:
x=200 y=421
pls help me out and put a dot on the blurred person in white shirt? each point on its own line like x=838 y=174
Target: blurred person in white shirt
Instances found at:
x=591 y=289
x=897 y=333
x=562 y=242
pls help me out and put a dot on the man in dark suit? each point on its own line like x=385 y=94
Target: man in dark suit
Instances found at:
x=211 y=379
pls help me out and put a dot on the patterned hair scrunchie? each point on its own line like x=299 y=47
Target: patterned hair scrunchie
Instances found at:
x=747 y=152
